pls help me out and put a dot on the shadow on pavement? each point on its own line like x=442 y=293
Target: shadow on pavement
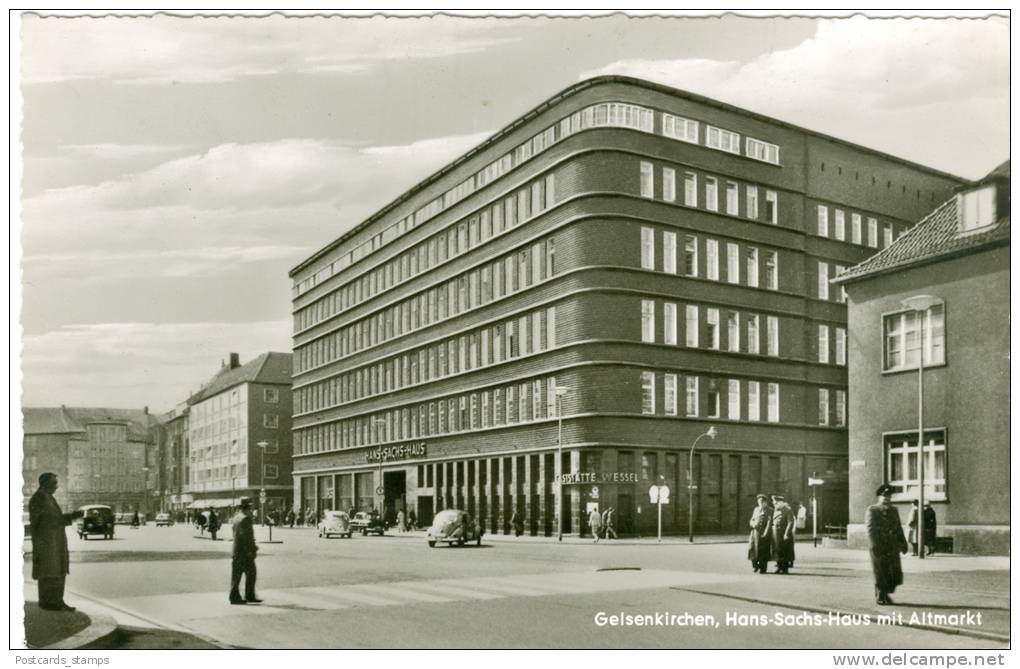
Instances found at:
x=43 y=628
x=136 y=638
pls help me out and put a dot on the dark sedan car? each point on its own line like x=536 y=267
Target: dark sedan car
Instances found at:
x=368 y=522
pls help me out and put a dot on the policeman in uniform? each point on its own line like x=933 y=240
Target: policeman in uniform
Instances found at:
x=887 y=542
x=243 y=562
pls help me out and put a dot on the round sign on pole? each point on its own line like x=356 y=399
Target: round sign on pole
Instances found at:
x=380 y=490
x=262 y=496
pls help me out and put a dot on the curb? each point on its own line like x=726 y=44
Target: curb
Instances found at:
x=99 y=628
x=944 y=629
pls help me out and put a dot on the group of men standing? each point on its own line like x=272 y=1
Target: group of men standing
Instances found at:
x=773 y=527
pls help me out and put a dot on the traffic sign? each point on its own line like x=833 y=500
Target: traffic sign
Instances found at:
x=262 y=496
x=380 y=490
x=664 y=494
x=658 y=494
x=814 y=481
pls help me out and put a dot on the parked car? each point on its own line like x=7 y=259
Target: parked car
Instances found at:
x=335 y=522
x=454 y=527
x=96 y=519
x=368 y=522
x=164 y=519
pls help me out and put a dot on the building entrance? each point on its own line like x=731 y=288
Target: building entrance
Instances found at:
x=394 y=494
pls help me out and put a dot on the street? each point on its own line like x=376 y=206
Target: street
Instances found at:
x=396 y=592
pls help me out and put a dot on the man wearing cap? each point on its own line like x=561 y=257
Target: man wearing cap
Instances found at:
x=783 y=528
x=244 y=556
x=887 y=542
x=759 y=545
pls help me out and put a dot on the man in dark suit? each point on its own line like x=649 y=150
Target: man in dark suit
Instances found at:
x=50 y=560
x=887 y=542
x=243 y=562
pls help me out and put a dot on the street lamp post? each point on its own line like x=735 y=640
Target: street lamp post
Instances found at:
x=262 y=479
x=690 y=482
x=920 y=305
x=380 y=424
x=560 y=392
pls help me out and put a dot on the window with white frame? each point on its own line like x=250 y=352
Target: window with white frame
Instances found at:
x=690 y=189
x=733 y=399
x=772 y=270
x=669 y=323
x=669 y=394
x=712 y=323
x=753 y=344
x=903 y=339
x=732 y=198
x=647 y=392
x=823 y=280
x=712 y=259
x=691 y=408
x=680 y=128
x=690 y=255
x=270 y=420
x=823 y=406
x=754 y=400
x=668 y=184
x=550 y=397
x=733 y=331
x=647 y=248
x=823 y=221
x=841 y=346
x=823 y=344
x=751 y=202
x=772 y=207
x=976 y=208
x=773 y=403
x=647 y=179
x=648 y=321
x=855 y=228
x=901 y=454
x=841 y=408
x=840 y=290
x=724 y=140
x=271 y=395
x=839 y=225
x=751 y=269
x=873 y=232
x=772 y=335
x=732 y=263
x=759 y=150
x=669 y=252
x=711 y=194
x=691 y=328
x=712 y=400
x=887 y=235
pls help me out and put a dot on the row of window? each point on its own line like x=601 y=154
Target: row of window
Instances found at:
x=530 y=333
x=519 y=206
x=605 y=114
x=823 y=292
x=507 y=405
x=707 y=196
x=492 y=281
x=825 y=335
x=856 y=233
x=703 y=326
x=832 y=407
x=225 y=474
x=687 y=260
x=233 y=448
x=704 y=397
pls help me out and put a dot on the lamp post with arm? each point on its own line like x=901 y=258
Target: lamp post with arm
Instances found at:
x=262 y=479
x=920 y=305
x=560 y=392
x=380 y=424
x=690 y=482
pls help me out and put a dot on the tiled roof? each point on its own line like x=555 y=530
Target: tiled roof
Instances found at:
x=936 y=236
x=72 y=420
x=266 y=368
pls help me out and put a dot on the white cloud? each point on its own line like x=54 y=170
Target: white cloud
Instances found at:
x=205 y=49
x=135 y=364
x=875 y=82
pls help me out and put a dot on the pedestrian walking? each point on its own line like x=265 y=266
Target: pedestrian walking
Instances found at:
x=401 y=520
x=412 y=518
x=930 y=525
x=885 y=533
x=135 y=521
x=783 y=530
x=595 y=522
x=759 y=544
x=290 y=518
x=515 y=522
x=609 y=523
x=243 y=562
x=801 y=516
x=214 y=523
x=912 y=527
x=310 y=517
x=50 y=559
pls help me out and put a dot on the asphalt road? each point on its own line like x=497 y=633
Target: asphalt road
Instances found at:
x=396 y=592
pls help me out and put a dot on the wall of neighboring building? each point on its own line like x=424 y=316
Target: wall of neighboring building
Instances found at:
x=968 y=396
x=279 y=453
x=45 y=453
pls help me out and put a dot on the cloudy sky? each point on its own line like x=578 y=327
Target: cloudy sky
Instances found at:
x=174 y=169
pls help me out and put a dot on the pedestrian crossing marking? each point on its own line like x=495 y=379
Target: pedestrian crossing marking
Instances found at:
x=454 y=589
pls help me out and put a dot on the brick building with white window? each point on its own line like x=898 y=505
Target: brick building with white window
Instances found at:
x=656 y=254
x=958 y=257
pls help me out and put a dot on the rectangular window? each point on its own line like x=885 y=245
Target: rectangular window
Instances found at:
x=841 y=408
x=855 y=228
x=975 y=208
x=647 y=180
x=271 y=395
x=733 y=399
x=887 y=235
x=841 y=346
x=753 y=345
x=901 y=465
x=753 y=401
x=772 y=270
x=903 y=341
x=669 y=323
x=270 y=420
x=712 y=259
x=669 y=184
x=690 y=255
x=823 y=344
x=823 y=280
x=840 y=225
x=550 y=327
x=772 y=207
x=690 y=189
x=691 y=408
x=724 y=140
x=732 y=198
x=550 y=257
x=823 y=221
x=732 y=263
x=669 y=252
x=711 y=194
x=733 y=331
x=873 y=232
x=647 y=248
x=773 y=400
x=692 y=325
x=823 y=406
x=751 y=203
x=772 y=335
x=751 y=269
x=712 y=322
x=550 y=190
x=712 y=400
x=648 y=321
x=764 y=151
x=680 y=128
x=536 y=399
x=669 y=394
x=647 y=392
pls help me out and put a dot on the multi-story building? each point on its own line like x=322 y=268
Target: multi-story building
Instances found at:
x=240 y=408
x=950 y=276
x=174 y=448
x=644 y=262
x=100 y=456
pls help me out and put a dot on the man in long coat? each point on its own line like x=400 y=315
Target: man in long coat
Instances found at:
x=243 y=562
x=783 y=528
x=887 y=542
x=50 y=559
x=930 y=529
x=759 y=544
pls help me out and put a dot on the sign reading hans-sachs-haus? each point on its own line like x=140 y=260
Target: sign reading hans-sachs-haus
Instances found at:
x=597 y=477
x=401 y=452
